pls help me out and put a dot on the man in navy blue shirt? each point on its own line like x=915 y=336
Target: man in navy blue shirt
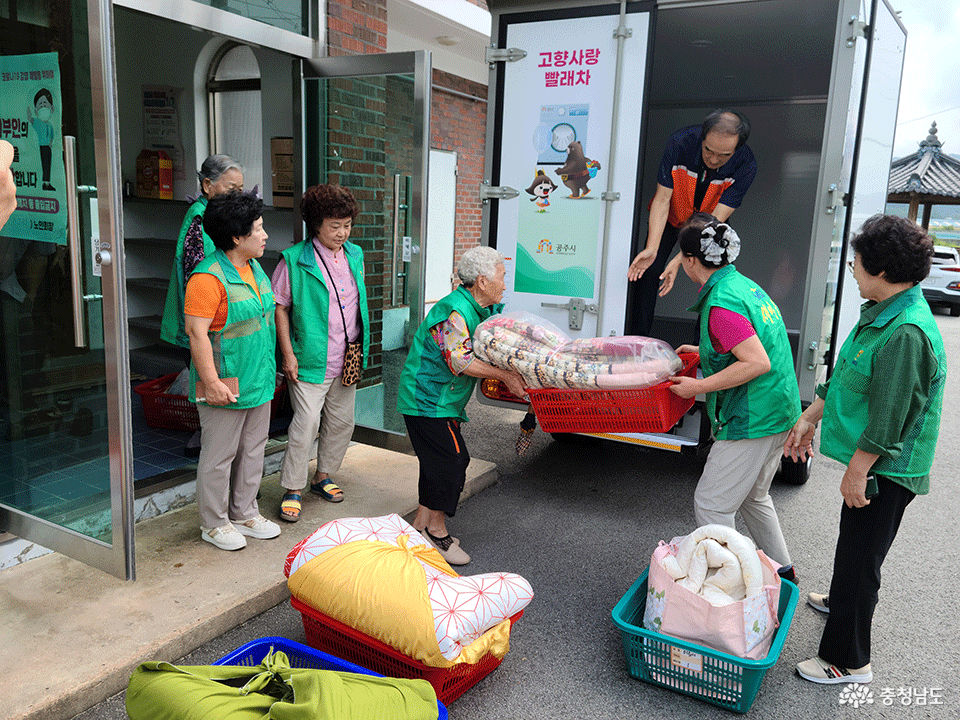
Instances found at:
x=706 y=168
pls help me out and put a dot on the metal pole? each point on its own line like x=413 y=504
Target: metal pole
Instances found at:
x=622 y=33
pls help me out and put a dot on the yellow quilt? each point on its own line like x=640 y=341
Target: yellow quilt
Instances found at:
x=381 y=590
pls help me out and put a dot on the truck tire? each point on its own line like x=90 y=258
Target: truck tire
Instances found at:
x=794 y=473
x=955 y=311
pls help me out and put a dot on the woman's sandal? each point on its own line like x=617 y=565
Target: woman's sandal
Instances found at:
x=290 y=507
x=328 y=490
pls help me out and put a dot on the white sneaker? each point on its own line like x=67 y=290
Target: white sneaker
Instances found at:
x=258 y=527
x=819 y=601
x=818 y=670
x=225 y=538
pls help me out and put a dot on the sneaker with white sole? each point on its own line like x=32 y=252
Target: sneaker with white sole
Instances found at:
x=448 y=549
x=819 y=601
x=818 y=670
x=258 y=527
x=225 y=538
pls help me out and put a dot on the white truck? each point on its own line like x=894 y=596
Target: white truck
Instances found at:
x=820 y=83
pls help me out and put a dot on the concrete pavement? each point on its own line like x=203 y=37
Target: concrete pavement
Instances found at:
x=72 y=635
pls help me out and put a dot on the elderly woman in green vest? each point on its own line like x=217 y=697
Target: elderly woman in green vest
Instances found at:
x=218 y=174
x=437 y=380
x=749 y=381
x=881 y=417
x=229 y=318
x=321 y=308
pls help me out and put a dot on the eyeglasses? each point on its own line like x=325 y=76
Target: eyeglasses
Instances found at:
x=850 y=265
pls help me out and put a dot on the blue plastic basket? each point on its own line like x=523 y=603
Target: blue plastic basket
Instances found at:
x=300 y=656
x=724 y=680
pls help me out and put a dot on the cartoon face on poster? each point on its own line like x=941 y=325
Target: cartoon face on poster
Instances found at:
x=30 y=120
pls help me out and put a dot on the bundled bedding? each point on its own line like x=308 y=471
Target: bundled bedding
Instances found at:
x=713 y=587
x=545 y=357
x=379 y=576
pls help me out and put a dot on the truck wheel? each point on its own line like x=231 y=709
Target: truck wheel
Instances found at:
x=955 y=311
x=795 y=473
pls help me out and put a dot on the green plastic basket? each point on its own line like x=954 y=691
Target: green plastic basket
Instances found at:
x=715 y=677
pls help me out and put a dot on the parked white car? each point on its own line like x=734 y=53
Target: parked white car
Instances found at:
x=942 y=286
x=945 y=255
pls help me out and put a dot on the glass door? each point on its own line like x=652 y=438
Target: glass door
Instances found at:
x=363 y=123
x=64 y=435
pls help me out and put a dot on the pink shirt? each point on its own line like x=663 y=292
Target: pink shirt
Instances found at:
x=339 y=277
x=728 y=329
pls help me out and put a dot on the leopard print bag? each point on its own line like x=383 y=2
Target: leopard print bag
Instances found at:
x=352 y=363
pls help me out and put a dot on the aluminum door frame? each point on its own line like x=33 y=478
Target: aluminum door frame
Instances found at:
x=117 y=557
x=418 y=64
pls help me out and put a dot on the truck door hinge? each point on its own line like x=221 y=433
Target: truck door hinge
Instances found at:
x=490 y=192
x=858 y=28
x=576 y=307
x=495 y=54
x=835 y=198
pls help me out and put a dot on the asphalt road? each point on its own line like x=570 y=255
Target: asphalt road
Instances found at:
x=580 y=520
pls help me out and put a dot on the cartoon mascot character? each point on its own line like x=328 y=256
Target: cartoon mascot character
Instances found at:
x=540 y=188
x=578 y=170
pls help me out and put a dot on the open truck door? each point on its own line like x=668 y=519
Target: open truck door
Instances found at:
x=620 y=78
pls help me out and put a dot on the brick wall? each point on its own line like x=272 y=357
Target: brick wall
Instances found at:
x=356 y=27
x=355 y=154
x=458 y=124
x=366 y=145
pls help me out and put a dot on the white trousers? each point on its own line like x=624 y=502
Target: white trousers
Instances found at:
x=737 y=476
x=327 y=407
x=230 y=467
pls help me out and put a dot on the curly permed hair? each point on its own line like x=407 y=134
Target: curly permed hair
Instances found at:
x=327 y=201
x=894 y=246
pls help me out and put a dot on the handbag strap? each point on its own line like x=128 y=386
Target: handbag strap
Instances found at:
x=334 y=283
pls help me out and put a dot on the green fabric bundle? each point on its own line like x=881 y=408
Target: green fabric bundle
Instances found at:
x=272 y=690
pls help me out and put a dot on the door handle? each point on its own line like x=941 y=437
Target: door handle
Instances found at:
x=73 y=242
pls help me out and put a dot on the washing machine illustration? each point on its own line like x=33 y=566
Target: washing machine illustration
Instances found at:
x=559 y=126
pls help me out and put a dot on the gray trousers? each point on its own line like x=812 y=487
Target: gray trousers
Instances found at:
x=327 y=407
x=737 y=476
x=231 y=463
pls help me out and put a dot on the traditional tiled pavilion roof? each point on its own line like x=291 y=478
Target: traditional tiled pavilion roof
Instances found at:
x=927 y=172
x=928 y=177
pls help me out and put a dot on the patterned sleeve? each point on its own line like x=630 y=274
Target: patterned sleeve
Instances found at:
x=454 y=342
x=193 y=246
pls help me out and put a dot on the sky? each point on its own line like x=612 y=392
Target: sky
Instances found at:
x=931 y=74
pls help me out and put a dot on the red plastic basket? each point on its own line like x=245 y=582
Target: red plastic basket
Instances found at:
x=652 y=409
x=332 y=636
x=176 y=412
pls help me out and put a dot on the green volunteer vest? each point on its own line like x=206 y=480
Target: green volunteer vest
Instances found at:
x=846 y=406
x=310 y=307
x=427 y=387
x=246 y=346
x=768 y=404
x=171 y=326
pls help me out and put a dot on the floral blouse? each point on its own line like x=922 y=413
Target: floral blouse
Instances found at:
x=454 y=342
